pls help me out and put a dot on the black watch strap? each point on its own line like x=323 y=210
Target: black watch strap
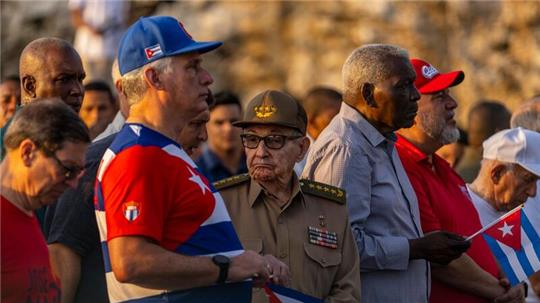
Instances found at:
x=223 y=263
x=526 y=289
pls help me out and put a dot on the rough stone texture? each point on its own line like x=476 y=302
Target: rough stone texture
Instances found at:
x=295 y=45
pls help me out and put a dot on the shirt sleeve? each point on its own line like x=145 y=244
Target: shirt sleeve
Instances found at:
x=337 y=164
x=429 y=220
x=71 y=221
x=137 y=194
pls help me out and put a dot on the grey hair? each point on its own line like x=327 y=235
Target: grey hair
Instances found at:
x=49 y=123
x=115 y=71
x=133 y=83
x=527 y=116
x=370 y=63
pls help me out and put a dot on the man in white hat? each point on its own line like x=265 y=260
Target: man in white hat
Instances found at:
x=509 y=173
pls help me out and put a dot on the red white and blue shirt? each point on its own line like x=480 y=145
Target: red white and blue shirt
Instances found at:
x=148 y=186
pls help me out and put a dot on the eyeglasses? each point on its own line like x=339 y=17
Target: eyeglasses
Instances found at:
x=272 y=141
x=70 y=172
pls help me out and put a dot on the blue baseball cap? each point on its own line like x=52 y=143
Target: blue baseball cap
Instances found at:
x=153 y=38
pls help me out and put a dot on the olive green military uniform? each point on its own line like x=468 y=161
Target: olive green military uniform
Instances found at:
x=310 y=233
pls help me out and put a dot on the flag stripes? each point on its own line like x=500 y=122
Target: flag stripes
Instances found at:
x=518 y=265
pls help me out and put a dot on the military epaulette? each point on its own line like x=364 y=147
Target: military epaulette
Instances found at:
x=228 y=182
x=323 y=190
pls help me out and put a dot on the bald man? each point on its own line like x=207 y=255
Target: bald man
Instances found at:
x=49 y=67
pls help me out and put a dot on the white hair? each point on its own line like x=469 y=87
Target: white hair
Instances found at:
x=527 y=116
x=133 y=83
x=370 y=63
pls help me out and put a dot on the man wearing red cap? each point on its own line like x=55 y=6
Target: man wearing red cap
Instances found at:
x=442 y=195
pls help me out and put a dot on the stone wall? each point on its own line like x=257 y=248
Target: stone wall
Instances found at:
x=295 y=45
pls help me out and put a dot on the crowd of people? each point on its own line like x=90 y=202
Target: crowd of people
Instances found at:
x=111 y=193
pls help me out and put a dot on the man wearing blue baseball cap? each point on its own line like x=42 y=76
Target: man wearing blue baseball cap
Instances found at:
x=165 y=231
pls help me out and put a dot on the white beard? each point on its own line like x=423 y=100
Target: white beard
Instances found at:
x=441 y=132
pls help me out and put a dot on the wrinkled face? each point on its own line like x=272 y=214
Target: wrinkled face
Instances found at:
x=396 y=97
x=194 y=133
x=266 y=164
x=61 y=75
x=97 y=111
x=223 y=136
x=436 y=117
x=514 y=187
x=47 y=176
x=186 y=86
x=10 y=97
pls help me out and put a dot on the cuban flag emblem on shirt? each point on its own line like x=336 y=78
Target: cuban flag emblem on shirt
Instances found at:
x=515 y=242
x=131 y=210
x=153 y=51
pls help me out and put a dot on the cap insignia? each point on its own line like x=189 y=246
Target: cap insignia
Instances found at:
x=428 y=71
x=264 y=111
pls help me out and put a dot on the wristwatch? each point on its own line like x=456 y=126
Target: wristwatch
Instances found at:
x=223 y=263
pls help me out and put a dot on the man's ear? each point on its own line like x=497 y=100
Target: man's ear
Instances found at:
x=28 y=152
x=497 y=171
x=368 y=94
x=29 y=85
x=152 y=78
x=304 y=146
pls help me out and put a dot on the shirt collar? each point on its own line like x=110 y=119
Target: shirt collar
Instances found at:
x=413 y=152
x=255 y=189
x=373 y=136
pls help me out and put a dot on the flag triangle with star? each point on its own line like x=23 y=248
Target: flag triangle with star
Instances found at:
x=508 y=231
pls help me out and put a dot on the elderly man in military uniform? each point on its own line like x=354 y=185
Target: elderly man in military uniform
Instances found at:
x=301 y=222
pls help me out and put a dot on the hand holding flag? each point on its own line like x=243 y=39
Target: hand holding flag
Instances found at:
x=514 y=240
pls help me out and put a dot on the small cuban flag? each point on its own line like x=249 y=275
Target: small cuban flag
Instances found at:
x=280 y=294
x=514 y=240
x=153 y=51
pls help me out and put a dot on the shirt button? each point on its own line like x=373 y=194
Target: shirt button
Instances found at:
x=323 y=261
x=280 y=221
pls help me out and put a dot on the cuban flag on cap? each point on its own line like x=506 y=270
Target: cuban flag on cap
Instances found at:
x=153 y=51
x=514 y=240
x=280 y=294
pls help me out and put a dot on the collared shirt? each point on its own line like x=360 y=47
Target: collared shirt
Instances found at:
x=445 y=205
x=350 y=153
x=211 y=167
x=262 y=225
x=113 y=127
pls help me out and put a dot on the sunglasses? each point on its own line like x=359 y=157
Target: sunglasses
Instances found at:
x=70 y=172
x=272 y=141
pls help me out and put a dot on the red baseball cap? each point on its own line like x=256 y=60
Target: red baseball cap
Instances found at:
x=429 y=80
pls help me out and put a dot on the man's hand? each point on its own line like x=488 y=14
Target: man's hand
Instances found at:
x=249 y=265
x=515 y=294
x=279 y=271
x=438 y=247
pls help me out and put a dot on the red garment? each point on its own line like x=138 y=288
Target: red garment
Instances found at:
x=445 y=205
x=26 y=271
